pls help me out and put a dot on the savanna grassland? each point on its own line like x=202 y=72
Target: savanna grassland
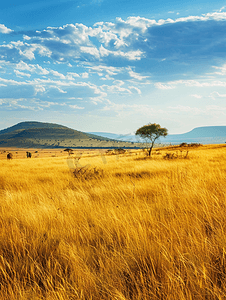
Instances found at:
x=125 y=227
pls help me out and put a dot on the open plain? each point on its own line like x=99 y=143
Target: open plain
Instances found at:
x=104 y=226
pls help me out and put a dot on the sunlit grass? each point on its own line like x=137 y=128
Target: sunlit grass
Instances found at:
x=142 y=229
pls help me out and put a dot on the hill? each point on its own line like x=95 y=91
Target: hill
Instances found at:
x=204 y=135
x=29 y=125
x=206 y=131
x=49 y=135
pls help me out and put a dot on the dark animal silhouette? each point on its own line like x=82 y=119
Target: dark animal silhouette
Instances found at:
x=28 y=154
x=9 y=156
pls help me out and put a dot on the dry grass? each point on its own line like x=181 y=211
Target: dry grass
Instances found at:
x=141 y=229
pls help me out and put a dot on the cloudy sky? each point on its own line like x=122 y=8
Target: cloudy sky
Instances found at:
x=113 y=65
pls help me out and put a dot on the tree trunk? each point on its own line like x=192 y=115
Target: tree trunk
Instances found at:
x=149 y=151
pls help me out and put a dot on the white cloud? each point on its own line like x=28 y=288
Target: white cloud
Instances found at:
x=41 y=71
x=130 y=55
x=222 y=8
x=108 y=69
x=119 y=82
x=4 y=29
x=19 y=103
x=222 y=70
x=136 y=22
x=12 y=82
x=118 y=39
x=73 y=75
x=24 y=66
x=60 y=90
x=90 y=50
x=115 y=89
x=136 y=75
x=107 y=77
x=127 y=44
x=162 y=86
x=85 y=75
x=197 y=96
x=76 y=107
x=31 y=68
x=215 y=95
x=135 y=88
x=21 y=74
x=190 y=83
x=57 y=74
x=26 y=38
x=39 y=89
x=44 y=51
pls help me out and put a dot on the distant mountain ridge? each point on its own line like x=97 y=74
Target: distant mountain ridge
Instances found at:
x=205 y=134
x=205 y=131
x=116 y=136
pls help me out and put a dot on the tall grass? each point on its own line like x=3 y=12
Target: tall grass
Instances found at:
x=144 y=229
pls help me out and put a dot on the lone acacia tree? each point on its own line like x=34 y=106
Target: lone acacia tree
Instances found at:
x=151 y=133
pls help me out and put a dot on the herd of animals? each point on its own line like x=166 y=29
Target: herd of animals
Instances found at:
x=10 y=155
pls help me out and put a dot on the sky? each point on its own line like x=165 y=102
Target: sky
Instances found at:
x=113 y=66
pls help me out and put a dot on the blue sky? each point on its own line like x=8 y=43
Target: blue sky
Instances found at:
x=114 y=66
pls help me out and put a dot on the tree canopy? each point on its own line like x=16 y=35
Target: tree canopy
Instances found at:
x=151 y=132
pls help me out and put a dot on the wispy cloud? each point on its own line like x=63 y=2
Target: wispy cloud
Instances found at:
x=78 y=65
x=215 y=95
x=76 y=107
x=197 y=96
x=21 y=74
x=191 y=83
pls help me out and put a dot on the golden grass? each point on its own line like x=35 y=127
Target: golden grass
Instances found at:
x=143 y=229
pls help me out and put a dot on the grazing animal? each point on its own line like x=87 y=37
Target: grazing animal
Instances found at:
x=9 y=156
x=28 y=154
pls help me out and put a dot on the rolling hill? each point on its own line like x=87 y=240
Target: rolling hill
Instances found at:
x=49 y=135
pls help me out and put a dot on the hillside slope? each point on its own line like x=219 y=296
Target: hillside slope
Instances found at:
x=48 y=135
x=29 y=125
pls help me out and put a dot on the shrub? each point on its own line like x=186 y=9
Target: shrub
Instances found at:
x=120 y=151
x=175 y=155
x=170 y=156
x=88 y=173
x=195 y=145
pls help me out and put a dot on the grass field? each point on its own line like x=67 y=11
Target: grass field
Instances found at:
x=129 y=227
